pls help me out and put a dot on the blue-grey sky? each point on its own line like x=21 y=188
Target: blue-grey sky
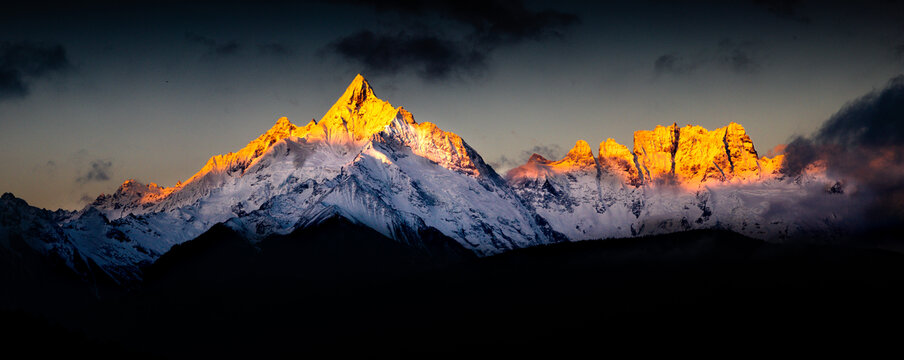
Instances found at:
x=96 y=93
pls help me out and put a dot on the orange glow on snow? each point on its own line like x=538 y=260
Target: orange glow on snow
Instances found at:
x=688 y=156
x=353 y=120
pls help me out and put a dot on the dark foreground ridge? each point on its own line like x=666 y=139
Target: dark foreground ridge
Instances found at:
x=341 y=288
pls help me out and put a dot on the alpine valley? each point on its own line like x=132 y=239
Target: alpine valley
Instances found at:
x=370 y=164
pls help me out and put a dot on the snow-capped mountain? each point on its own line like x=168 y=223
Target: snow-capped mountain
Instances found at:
x=675 y=179
x=575 y=195
x=365 y=160
x=373 y=164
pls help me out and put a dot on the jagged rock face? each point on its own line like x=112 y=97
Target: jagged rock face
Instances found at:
x=25 y=225
x=627 y=199
x=723 y=154
x=428 y=140
x=624 y=198
x=579 y=159
x=744 y=159
x=771 y=167
x=580 y=156
x=693 y=155
x=358 y=114
x=701 y=155
x=131 y=196
x=616 y=159
x=573 y=194
x=655 y=151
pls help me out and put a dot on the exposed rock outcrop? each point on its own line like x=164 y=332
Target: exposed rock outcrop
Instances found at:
x=689 y=156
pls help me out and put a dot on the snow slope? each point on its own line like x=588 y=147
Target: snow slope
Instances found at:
x=364 y=160
x=676 y=179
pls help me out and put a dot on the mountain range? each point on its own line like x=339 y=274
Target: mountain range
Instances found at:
x=371 y=164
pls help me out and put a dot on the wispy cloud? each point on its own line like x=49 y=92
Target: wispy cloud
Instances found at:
x=274 y=48
x=86 y=199
x=23 y=62
x=785 y=9
x=862 y=143
x=432 y=57
x=214 y=48
x=549 y=151
x=672 y=64
x=98 y=171
x=739 y=57
x=504 y=163
x=481 y=28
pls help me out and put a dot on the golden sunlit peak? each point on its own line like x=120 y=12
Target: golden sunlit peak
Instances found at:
x=283 y=121
x=357 y=114
x=735 y=126
x=132 y=183
x=580 y=150
x=691 y=155
x=358 y=91
x=281 y=129
x=406 y=116
x=579 y=156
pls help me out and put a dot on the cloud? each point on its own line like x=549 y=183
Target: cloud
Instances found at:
x=551 y=151
x=275 y=49
x=23 y=62
x=99 y=171
x=784 y=9
x=432 y=57
x=863 y=144
x=86 y=199
x=505 y=163
x=875 y=119
x=214 y=48
x=739 y=57
x=776 y=150
x=672 y=64
x=478 y=28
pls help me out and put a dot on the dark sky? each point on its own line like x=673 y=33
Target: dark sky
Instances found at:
x=94 y=93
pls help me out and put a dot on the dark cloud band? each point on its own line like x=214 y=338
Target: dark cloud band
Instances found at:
x=863 y=143
x=481 y=27
x=23 y=62
x=98 y=172
x=214 y=48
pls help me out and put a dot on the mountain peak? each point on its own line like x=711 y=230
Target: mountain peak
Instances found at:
x=357 y=114
x=655 y=150
x=616 y=158
x=580 y=150
x=537 y=158
x=283 y=121
x=358 y=91
x=281 y=129
x=579 y=156
x=693 y=155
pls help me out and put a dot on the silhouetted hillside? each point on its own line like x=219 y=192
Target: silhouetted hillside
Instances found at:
x=344 y=289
